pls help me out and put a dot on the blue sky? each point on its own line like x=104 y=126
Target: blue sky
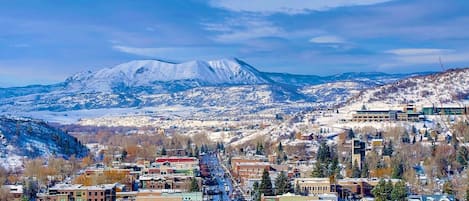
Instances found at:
x=44 y=42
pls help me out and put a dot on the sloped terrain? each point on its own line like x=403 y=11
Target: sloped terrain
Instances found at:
x=446 y=87
x=21 y=137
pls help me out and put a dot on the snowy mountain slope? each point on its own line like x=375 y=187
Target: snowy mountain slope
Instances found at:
x=155 y=75
x=335 y=92
x=369 y=78
x=21 y=137
x=445 y=87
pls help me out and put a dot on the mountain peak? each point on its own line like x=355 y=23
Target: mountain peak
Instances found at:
x=147 y=72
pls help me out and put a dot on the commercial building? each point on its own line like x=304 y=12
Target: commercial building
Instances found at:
x=313 y=186
x=445 y=110
x=79 y=192
x=293 y=197
x=409 y=113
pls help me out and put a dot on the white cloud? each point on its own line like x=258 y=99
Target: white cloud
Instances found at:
x=410 y=57
x=243 y=28
x=182 y=53
x=417 y=51
x=328 y=39
x=141 y=51
x=290 y=7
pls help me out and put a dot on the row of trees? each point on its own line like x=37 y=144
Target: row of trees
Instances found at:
x=265 y=187
x=387 y=191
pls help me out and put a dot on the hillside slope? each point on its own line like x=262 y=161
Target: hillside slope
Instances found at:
x=451 y=86
x=21 y=137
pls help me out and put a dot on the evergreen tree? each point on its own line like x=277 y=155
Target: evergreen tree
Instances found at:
x=317 y=171
x=379 y=191
x=414 y=140
x=282 y=184
x=280 y=147
x=255 y=193
x=324 y=154
x=462 y=156
x=194 y=185
x=196 y=151
x=266 y=184
x=405 y=137
x=398 y=170
x=388 y=189
x=399 y=192
x=350 y=134
x=163 y=151
x=31 y=189
x=388 y=149
x=414 y=130
x=333 y=167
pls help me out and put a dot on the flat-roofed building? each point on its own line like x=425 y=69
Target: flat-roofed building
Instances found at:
x=78 y=192
x=313 y=186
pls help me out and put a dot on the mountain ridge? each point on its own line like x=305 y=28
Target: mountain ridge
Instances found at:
x=212 y=85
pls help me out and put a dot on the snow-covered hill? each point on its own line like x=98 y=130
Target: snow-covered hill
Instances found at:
x=450 y=86
x=22 y=137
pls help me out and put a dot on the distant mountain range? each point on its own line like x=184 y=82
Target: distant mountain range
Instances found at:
x=223 y=83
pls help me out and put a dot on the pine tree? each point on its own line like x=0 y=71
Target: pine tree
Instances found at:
x=282 y=184
x=194 y=185
x=388 y=189
x=317 y=171
x=324 y=153
x=280 y=147
x=350 y=134
x=388 y=149
x=398 y=170
x=163 y=151
x=379 y=191
x=255 y=193
x=399 y=192
x=266 y=184
x=405 y=137
x=462 y=156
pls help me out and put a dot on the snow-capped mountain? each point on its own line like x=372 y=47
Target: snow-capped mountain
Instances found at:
x=228 y=84
x=450 y=86
x=161 y=77
x=22 y=137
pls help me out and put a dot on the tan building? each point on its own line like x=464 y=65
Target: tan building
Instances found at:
x=174 y=182
x=313 y=186
x=79 y=192
x=152 y=195
x=250 y=170
x=293 y=197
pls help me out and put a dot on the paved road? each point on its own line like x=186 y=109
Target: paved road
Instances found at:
x=220 y=188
